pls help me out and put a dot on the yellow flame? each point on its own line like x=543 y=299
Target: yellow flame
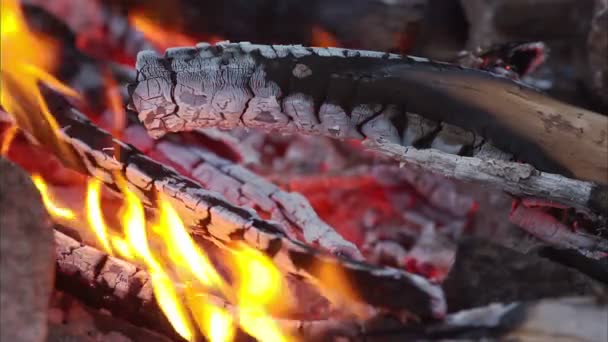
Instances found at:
x=26 y=60
x=134 y=223
x=94 y=214
x=260 y=286
x=182 y=249
x=180 y=272
x=51 y=207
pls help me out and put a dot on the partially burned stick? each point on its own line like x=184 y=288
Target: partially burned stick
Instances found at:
x=399 y=105
x=209 y=215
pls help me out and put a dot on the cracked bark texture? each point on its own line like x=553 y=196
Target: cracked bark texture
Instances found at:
x=209 y=215
x=119 y=285
x=389 y=101
x=242 y=187
x=26 y=264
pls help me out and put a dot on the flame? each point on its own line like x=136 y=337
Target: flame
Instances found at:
x=53 y=209
x=94 y=214
x=26 y=60
x=179 y=271
x=7 y=139
x=162 y=38
x=322 y=38
x=134 y=223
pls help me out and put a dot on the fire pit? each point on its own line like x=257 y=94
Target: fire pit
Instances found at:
x=157 y=188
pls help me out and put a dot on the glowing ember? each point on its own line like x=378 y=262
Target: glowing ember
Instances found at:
x=53 y=208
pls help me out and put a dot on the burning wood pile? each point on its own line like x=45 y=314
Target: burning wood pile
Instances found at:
x=159 y=189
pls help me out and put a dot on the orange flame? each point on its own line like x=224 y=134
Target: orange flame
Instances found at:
x=8 y=138
x=53 y=209
x=161 y=37
x=179 y=271
x=25 y=61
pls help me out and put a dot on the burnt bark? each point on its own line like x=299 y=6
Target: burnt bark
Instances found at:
x=210 y=216
x=115 y=285
x=402 y=106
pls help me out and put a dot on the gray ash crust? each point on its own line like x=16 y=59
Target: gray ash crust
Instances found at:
x=390 y=80
x=303 y=257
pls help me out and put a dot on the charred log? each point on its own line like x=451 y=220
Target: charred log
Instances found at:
x=115 y=285
x=209 y=215
x=390 y=101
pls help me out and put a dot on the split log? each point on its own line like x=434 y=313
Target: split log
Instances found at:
x=413 y=109
x=26 y=264
x=94 y=151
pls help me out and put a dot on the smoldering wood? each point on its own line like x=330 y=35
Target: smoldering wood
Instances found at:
x=402 y=106
x=124 y=285
x=109 y=283
x=209 y=215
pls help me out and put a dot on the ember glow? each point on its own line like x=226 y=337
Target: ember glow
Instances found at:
x=161 y=37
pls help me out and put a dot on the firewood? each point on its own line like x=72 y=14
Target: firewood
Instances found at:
x=26 y=264
x=413 y=109
x=210 y=216
x=124 y=290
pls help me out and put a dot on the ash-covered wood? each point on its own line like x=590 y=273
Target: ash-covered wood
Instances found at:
x=209 y=215
x=400 y=105
x=116 y=285
x=26 y=265
x=245 y=188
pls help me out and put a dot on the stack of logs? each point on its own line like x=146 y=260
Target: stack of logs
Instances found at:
x=490 y=291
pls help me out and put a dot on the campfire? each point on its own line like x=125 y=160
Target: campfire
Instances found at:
x=165 y=180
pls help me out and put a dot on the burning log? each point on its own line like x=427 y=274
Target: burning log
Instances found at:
x=123 y=289
x=209 y=215
x=392 y=103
